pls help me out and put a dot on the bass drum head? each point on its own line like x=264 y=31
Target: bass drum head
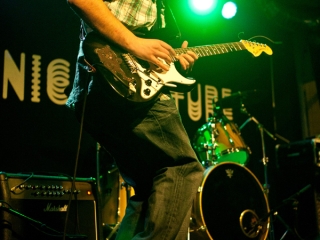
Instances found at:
x=230 y=205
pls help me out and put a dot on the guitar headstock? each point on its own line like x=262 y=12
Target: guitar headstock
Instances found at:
x=256 y=48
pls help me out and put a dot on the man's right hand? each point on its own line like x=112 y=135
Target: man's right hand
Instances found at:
x=153 y=50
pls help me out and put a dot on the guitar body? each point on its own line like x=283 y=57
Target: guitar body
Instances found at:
x=135 y=80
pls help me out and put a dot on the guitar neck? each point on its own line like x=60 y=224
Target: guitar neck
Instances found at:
x=215 y=49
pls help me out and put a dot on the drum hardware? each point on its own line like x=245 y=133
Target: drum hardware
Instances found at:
x=195 y=228
x=250 y=224
x=215 y=132
x=262 y=129
x=265 y=160
x=294 y=202
x=113 y=231
x=208 y=148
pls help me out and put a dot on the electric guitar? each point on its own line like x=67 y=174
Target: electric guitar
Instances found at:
x=139 y=81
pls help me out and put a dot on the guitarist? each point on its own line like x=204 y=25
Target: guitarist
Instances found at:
x=148 y=142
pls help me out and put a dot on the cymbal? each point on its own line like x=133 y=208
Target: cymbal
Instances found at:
x=229 y=101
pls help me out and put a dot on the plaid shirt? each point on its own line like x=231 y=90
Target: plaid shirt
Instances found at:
x=134 y=13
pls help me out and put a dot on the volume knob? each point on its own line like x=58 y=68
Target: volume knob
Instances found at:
x=147 y=91
x=148 y=82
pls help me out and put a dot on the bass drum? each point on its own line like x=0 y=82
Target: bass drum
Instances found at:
x=230 y=205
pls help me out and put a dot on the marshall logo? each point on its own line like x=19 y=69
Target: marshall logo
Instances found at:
x=51 y=208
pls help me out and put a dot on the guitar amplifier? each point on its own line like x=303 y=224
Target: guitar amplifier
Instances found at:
x=298 y=175
x=35 y=207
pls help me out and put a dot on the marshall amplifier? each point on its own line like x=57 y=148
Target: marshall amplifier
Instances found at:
x=298 y=171
x=34 y=207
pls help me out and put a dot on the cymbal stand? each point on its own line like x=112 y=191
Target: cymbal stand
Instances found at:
x=264 y=157
x=262 y=130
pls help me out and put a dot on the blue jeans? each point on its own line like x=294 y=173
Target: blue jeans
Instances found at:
x=154 y=155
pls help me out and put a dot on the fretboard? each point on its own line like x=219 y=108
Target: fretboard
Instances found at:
x=215 y=49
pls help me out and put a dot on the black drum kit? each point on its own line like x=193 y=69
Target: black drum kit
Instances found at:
x=230 y=203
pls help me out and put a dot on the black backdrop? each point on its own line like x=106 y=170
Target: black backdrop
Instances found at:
x=43 y=135
x=39 y=43
x=39 y=134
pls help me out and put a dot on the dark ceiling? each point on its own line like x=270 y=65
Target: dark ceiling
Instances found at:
x=295 y=13
x=302 y=4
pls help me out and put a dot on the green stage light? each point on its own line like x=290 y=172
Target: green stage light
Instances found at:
x=229 y=10
x=202 y=7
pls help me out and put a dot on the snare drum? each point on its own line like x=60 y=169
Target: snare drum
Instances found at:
x=230 y=204
x=218 y=141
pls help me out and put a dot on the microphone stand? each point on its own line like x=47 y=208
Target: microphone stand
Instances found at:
x=262 y=130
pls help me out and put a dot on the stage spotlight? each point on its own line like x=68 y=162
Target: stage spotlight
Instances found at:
x=229 y=10
x=202 y=7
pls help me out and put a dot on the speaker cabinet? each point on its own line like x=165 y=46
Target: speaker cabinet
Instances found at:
x=298 y=168
x=34 y=207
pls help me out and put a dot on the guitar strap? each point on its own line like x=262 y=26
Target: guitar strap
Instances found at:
x=165 y=28
x=171 y=22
